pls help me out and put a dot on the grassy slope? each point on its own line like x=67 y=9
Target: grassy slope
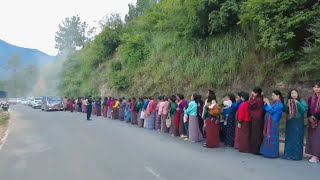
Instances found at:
x=225 y=63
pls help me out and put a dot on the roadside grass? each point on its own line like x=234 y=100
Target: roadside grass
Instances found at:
x=4 y=117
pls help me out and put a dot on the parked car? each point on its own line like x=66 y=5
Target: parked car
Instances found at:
x=24 y=101
x=30 y=99
x=36 y=102
x=51 y=103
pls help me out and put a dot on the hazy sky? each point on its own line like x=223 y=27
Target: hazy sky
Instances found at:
x=33 y=23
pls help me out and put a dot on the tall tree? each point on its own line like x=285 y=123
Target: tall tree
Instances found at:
x=112 y=21
x=72 y=35
x=139 y=8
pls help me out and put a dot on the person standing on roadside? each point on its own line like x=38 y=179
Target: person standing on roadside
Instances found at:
x=65 y=103
x=71 y=103
x=88 y=102
x=313 y=138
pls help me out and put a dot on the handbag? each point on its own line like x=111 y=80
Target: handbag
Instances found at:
x=142 y=115
x=168 y=121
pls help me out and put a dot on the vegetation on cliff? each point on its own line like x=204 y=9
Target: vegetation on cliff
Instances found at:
x=173 y=46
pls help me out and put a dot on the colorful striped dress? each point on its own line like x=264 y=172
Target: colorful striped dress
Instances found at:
x=270 y=145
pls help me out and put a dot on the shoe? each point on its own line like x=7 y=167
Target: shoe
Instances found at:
x=314 y=159
x=186 y=139
x=205 y=145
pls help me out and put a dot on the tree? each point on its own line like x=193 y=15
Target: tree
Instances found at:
x=72 y=35
x=310 y=64
x=223 y=15
x=112 y=21
x=282 y=24
x=139 y=9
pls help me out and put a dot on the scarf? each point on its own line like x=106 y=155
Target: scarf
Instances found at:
x=293 y=108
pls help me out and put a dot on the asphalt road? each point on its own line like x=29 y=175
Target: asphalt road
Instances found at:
x=64 y=146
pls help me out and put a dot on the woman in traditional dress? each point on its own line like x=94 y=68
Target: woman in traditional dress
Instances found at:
x=65 y=103
x=193 y=127
x=134 y=114
x=164 y=114
x=122 y=109
x=110 y=107
x=229 y=119
x=270 y=145
x=71 y=103
x=128 y=112
x=212 y=124
x=182 y=105
x=115 y=112
x=94 y=107
x=151 y=114
x=84 y=105
x=79 y=104
x=139 y=109
x=104 y=107
x=244 y=124
x=98 y=106
x=256 y=109
x=200 y=112
x=313 y=139
x=294 y=142
x=145 y=105
x=174 y=131
x=158 y=113
x=236 y=107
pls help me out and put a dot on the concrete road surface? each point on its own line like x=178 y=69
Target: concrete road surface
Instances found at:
x=64 y=146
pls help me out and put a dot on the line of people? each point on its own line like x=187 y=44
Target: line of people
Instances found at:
x=246 y=122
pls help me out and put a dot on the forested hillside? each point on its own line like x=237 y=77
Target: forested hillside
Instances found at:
x=171 y=46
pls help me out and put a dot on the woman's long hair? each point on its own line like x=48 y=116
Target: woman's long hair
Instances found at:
x=278 y=93
x=290 y=97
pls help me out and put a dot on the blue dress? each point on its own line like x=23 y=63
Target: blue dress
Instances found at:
x=295 y=132
x=229 y=125
x=270 y=144
x=128 y=113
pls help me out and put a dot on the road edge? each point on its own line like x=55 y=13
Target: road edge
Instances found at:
x=6 y=134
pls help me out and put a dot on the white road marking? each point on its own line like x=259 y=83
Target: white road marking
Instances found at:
x=151 y=171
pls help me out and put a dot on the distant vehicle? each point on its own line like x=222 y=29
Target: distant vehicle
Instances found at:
x=50 y=103
x=18 y=100
x=30 y=99
x=24 y=101
x=12 y=101
x=36 y=102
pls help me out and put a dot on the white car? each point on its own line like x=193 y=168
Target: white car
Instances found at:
x=24 y=102
x=30 y=99
x=36 y=102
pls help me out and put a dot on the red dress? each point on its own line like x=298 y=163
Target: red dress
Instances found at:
x=71 y=105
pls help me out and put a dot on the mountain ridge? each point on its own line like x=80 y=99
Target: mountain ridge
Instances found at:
x=27 y=56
